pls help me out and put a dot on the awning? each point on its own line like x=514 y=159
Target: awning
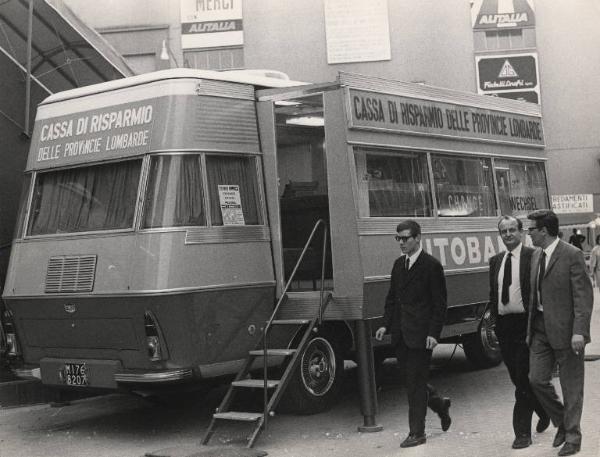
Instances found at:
x=66 y=53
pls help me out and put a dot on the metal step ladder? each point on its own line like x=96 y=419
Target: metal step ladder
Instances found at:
x=273 y=389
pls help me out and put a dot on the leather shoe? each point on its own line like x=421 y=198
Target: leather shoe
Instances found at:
x=521 y=442
x=444 y=414
x=543 y=424
x=569 y=449
x=413 y=440
x=559 y=438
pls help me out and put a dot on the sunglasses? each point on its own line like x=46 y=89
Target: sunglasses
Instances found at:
x=404 y=239
x=531 y=229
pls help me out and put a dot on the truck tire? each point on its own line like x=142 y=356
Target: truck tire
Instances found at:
x=316 y=382
x=482 y=348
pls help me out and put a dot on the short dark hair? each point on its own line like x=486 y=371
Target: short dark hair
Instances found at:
x=506 y=217
x=545 y=218
x=409 y=224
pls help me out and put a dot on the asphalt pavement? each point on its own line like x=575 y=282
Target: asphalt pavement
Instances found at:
x=126 y=426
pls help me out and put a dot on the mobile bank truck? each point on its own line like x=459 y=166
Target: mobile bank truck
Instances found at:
x=164 y=216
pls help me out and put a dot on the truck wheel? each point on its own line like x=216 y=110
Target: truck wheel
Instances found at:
x=316 y=382
x=482 y=348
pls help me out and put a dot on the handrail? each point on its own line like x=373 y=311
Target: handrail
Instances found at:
x=283 y=296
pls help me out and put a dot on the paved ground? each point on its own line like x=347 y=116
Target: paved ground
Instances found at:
x=124 y=426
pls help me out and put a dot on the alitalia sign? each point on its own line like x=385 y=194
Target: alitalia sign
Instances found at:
x=499 y=19
x=498 y=14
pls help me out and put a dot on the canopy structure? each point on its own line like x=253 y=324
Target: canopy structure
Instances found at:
x=65 y=53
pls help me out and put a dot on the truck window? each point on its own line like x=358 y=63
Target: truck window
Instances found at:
x=233 y=171
x=99 y=197
x=174 y=197
x=392 y=184
x=521 y=186
x=463 y=186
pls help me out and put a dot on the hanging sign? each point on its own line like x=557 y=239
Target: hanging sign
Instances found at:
x=211 y=23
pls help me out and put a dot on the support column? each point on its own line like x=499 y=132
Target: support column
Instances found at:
x=366 y=377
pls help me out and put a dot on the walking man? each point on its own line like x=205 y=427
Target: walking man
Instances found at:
x=509 y=301
x=415 y=309
x=559 y=327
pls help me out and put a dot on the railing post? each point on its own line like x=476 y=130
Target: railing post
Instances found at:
x=366 y=377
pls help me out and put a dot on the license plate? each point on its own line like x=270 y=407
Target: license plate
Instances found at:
x=75 y=374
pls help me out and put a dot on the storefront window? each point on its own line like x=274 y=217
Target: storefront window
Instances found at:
x=392 y=184
x=463 y=186
x=521 y=186
x=100 y=197
x=174 y=197
x=232 y=190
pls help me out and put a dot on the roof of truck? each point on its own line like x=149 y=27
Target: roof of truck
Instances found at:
x=259 y=78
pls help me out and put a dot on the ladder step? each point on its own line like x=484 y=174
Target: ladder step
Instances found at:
x=291 y=322
x=256 y=383
x=238 y=416
x=276 y=352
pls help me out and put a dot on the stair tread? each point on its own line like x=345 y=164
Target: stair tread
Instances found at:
x=238 y=416
x=258 y=383
x=291 y=321
x=259 y=352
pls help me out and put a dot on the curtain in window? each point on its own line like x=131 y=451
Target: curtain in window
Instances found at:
x=174 y=197
x=92 y=198
x=233 y=171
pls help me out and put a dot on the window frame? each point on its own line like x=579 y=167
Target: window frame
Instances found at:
x=260 y=197
x=34 y=178
x=391 y=150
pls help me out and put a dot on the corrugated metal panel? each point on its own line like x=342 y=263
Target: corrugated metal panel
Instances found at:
x=228 y=234
x=225 y=120
x=423 y=92
x=70 y=274
x=299 y=307
x=388 y=226
x=224 y=89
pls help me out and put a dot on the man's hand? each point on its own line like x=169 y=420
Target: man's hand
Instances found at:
x=577 y=343
x=430 y=342
x=379 y=333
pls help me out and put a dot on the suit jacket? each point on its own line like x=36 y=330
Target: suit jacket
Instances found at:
x=524 y=277
x=415 y=306
x=567 y=295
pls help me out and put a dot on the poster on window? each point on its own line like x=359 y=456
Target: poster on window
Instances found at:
x=210 y=23
x=357 y=31
x=231 y=205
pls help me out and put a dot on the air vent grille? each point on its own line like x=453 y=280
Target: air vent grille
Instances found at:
x=70 y=274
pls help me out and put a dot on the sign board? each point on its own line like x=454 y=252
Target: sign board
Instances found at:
x=231 y=205
x=573 y=203
x=507 y=73
x=211 y=23
x=379 y=111
x=530 y=96
x=117 y=131
x=502 y=14
x=357 y=31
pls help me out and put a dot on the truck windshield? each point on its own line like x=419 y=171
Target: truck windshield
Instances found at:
x=99 y=197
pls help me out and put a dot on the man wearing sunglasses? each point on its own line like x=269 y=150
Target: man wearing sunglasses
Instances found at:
x=415 y=309
x=509 y=301
x=560 y=310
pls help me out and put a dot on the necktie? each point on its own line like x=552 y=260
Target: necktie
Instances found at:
x=507 y=280
x=406 y=262
x=541 y=276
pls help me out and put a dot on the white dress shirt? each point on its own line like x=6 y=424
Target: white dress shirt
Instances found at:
x=515 y=298
x=549 y=250
x=413 y=258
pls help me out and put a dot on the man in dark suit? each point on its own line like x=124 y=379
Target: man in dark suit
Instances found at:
x=509 y=302
x=415 y=310
x=559 y=327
